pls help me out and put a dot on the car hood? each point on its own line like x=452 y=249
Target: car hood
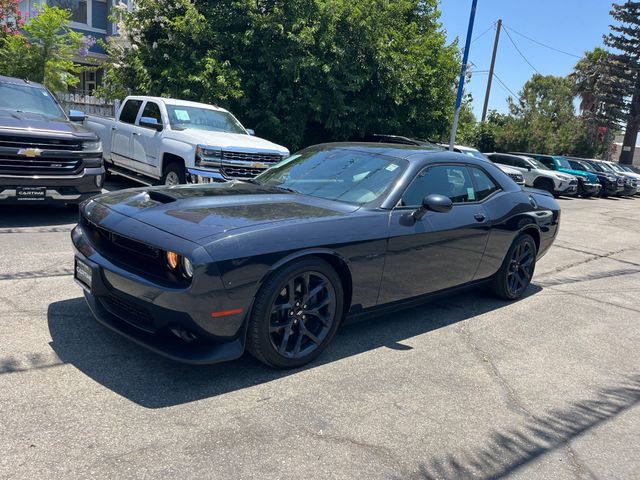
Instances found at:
x=580 y=173
x=507 y=169
x=195 y=212
x=231 y=141
x=37 y=124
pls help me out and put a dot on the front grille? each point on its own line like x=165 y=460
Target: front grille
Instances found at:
x=110 y=241
x=128 y=311
x=17 y=141
x=19 y=165
x=270 y=158
x=241 y=172
x=516 y=177
x=14 y=164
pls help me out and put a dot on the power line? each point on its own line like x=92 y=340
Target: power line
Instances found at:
x=521 y=54
x=505 y=86
x=542 y=44
x=485 y=32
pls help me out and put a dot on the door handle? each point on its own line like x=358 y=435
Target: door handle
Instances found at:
x=136 y=134
x=480 y=217
x=114 y=129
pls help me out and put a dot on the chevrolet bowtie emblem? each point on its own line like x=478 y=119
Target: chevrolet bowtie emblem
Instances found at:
x=30 y=152
x=259 y=165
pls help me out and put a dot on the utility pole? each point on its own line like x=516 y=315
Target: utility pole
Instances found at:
x=490 y=79
x=465 y=57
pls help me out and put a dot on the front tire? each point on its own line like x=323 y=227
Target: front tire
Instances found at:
x=173 y=175
x=517 y=269
x=296 y=314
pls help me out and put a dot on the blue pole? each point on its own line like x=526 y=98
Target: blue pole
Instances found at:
x=465 y=57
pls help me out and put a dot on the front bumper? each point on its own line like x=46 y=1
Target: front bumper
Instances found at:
x=567 y=190
x=152 y=315
x=59 y=188
x=612 y=188
x=590 y=189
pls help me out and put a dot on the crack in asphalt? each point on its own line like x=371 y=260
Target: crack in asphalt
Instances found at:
x=593 y=256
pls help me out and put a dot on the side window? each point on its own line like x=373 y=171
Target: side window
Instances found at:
x=518 y=162
x=130 y=111
x=484 y=185
x=453 y=181
x=504 y=160
x=152 y=110
x=547 y=161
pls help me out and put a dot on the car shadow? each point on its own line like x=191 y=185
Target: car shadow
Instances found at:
x=155 y=382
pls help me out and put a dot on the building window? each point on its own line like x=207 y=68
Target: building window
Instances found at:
x=78 y=9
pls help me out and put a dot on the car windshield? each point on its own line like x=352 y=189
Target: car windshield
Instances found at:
x=28 y=98
x=606 y=168
x=616 y=168
x=596 y=166
x=338 y=174
x=626 y=169
x=181 y=117
x=537 y=164
x=563 y=163
x=587 y=167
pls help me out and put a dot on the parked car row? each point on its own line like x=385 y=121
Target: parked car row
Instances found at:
x=571 y=176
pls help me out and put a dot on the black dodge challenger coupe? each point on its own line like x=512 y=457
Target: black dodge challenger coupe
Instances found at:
x=199 y=272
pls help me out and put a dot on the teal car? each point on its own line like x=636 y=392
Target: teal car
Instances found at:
x=588 y=183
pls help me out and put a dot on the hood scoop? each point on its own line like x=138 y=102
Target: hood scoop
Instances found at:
x=160 y=197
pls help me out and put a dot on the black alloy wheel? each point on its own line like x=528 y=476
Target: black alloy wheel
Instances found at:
x=296 y=313
x=516 y=271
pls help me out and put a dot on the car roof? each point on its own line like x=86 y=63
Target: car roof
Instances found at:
x=407 y=152
x=20 y=81
x=515 y=155
x=177 y=103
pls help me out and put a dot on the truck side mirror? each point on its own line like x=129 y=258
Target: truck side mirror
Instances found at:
x=150 y=122
x=76 y=116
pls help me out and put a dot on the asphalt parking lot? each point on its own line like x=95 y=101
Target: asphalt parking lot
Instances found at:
x=466 y=387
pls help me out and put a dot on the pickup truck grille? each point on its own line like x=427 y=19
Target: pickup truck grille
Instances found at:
x=252 y=157
x=241 y=172
x=13 y=164
x=16 y=141
x=19 y=165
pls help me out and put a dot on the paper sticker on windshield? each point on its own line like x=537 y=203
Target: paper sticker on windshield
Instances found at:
x=391 y=167
x=471 y=194
x=182 y=115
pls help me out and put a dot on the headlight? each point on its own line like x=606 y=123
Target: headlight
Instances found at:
x=92 y=146
x=206 y=155
x=187 y=267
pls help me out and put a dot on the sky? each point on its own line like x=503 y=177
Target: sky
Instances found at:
x=573 y=26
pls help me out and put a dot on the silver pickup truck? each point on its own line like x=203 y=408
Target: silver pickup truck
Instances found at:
x=168 y=141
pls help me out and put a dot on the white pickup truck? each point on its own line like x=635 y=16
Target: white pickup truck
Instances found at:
x=167 y=141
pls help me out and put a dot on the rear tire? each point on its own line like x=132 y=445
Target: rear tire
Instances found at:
x=517 y=269
x=173 y=175
x=295 y=314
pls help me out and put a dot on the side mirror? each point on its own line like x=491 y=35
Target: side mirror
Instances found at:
x=435 y=203
x=149 y=122
x=251 y=132
x=76 y=116
x=528 y=167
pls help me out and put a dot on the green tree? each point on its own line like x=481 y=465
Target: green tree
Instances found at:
x=592 y=84
x=45 y=51
x=298 y=71
x=624 y=39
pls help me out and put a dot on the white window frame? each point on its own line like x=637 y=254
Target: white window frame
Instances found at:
x=87 y=27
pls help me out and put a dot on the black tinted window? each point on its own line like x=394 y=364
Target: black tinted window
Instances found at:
x=130 y=111
x=453 y=181
x=152 y=110
x=503 y=159
x=518 y=162
x=484 y=186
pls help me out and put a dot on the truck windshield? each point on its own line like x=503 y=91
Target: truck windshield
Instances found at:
x=181 y=117
x=28 y=98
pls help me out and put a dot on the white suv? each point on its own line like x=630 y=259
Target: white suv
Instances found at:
x=515 y=174
x=537 y=174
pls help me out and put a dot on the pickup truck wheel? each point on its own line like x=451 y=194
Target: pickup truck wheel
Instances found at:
x=173 y=175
